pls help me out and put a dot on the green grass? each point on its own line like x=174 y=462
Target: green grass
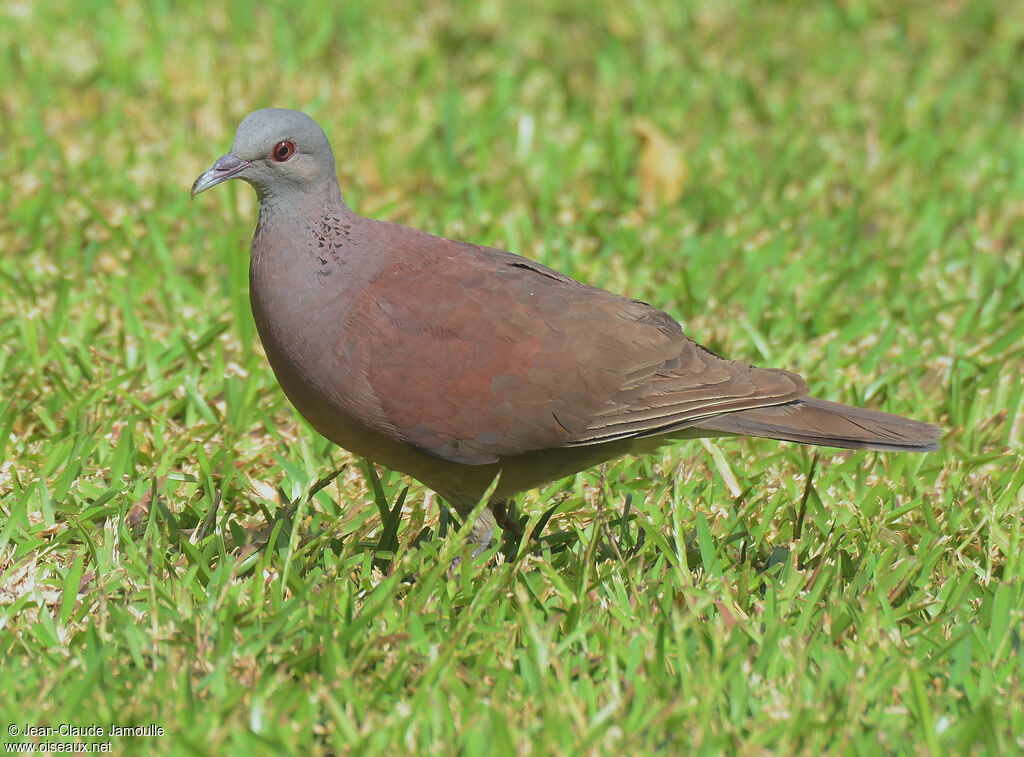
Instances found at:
x=170 y=554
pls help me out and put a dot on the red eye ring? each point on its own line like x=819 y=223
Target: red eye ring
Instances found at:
x=282 y=151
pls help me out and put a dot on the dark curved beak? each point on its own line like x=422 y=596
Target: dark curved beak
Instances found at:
x=227 y=167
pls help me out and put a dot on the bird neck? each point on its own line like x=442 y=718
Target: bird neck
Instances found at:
x=291 y=200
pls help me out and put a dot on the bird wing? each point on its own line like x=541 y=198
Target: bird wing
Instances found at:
x=475 y=354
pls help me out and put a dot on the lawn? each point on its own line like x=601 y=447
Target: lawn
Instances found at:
x=835 y=188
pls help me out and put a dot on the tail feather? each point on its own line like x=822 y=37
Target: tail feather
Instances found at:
x=829 y=424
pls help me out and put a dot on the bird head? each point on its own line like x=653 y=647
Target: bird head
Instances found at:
x=279 y=152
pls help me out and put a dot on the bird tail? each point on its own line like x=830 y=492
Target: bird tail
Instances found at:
x=829 y=424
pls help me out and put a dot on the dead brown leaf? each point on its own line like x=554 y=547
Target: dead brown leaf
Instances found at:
x=662 y=170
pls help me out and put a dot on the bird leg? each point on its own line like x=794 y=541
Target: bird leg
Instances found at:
x=480 y=535
x=482 y=531
x=508 y=519
x=502 y=513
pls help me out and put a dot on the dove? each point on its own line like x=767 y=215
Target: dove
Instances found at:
x=461 y=365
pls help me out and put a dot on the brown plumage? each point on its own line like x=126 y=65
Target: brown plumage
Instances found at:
x=452 y=362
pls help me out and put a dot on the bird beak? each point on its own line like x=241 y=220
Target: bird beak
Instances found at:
x=227 y=167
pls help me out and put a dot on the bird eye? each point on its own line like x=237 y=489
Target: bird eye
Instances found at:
x=282 y=151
